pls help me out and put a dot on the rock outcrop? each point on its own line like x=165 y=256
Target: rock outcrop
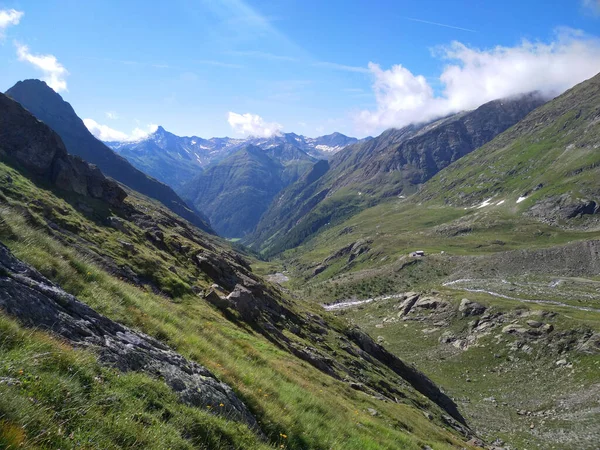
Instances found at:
x=416 y=378
x=36 y=302
x=33 y=146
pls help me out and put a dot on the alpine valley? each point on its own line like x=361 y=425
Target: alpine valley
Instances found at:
x=434 y=287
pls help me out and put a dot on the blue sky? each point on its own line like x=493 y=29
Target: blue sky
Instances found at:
x=197 y=67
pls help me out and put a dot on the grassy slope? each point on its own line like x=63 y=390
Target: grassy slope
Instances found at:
x=556 y=146
x=288 y=396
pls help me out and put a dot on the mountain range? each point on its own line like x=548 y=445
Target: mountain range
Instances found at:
x=236 y=191
x=395 y=163
x=174 y=160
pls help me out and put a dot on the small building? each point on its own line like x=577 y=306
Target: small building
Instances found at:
x=417 y=254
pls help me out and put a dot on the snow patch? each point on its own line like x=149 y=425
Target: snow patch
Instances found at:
x=500 y=202
x=485 y=203
x=520 y=199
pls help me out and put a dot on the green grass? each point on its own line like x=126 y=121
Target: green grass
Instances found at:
x=517 y=380
x=286 y=395
x=56 y=397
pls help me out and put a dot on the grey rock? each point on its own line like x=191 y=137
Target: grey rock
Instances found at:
x=407 y=305
x=514 y=329
x=417 y=379
x=430 y=303
x=116 y=223
x=563 y=207
x=215 y=299
x=36 y=302
x=469 y=308
x=547 y=328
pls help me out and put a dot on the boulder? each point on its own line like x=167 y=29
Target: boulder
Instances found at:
x=469 y=308
x=430 y=303
x=212 y=297
x=245 y=303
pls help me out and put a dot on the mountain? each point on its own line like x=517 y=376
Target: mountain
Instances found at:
x=174 y=160
x=125 y=326
x=30 y=144
x=504 y=310
x=394 y=163
x=49 y=107
x=236 y=191
x=547 y=166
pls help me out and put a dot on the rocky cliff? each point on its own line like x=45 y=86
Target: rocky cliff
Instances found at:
x=33 y=146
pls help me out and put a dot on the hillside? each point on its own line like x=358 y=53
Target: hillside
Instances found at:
x=49 y=107
x=235 y=192
x=545 y=167
x=394 y=163
x=123 y=325
x=504 y=306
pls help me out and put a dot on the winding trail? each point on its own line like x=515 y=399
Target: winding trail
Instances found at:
x=523 y=300
x=345 y=304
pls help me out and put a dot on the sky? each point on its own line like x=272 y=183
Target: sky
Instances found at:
x=261 y=67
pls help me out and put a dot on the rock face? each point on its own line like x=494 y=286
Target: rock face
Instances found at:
x=562 y=207
x=48 y=106
x=469 y=308
x=33 y=146
x=417 y=379
x=396 y=161
x=36 y=302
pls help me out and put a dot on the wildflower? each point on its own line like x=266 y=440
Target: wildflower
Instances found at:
x=21 y=372
x=284 y=436
x=221 y=405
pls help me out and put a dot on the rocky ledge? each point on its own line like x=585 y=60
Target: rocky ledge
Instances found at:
x=36 y=302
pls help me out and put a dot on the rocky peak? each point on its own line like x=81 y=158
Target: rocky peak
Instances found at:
x=32 y=145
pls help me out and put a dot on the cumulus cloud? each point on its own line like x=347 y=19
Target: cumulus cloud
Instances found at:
x=54 y=72
x=253 y=125
x=9 y=17
x=108 y=134
x=474 y=76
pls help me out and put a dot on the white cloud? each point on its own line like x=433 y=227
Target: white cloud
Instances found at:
x=253 y=125
x=54 y=72
x=474 y=76
x=592 y=5
x=108 y=134
x=111 y=115
x=9 y=17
